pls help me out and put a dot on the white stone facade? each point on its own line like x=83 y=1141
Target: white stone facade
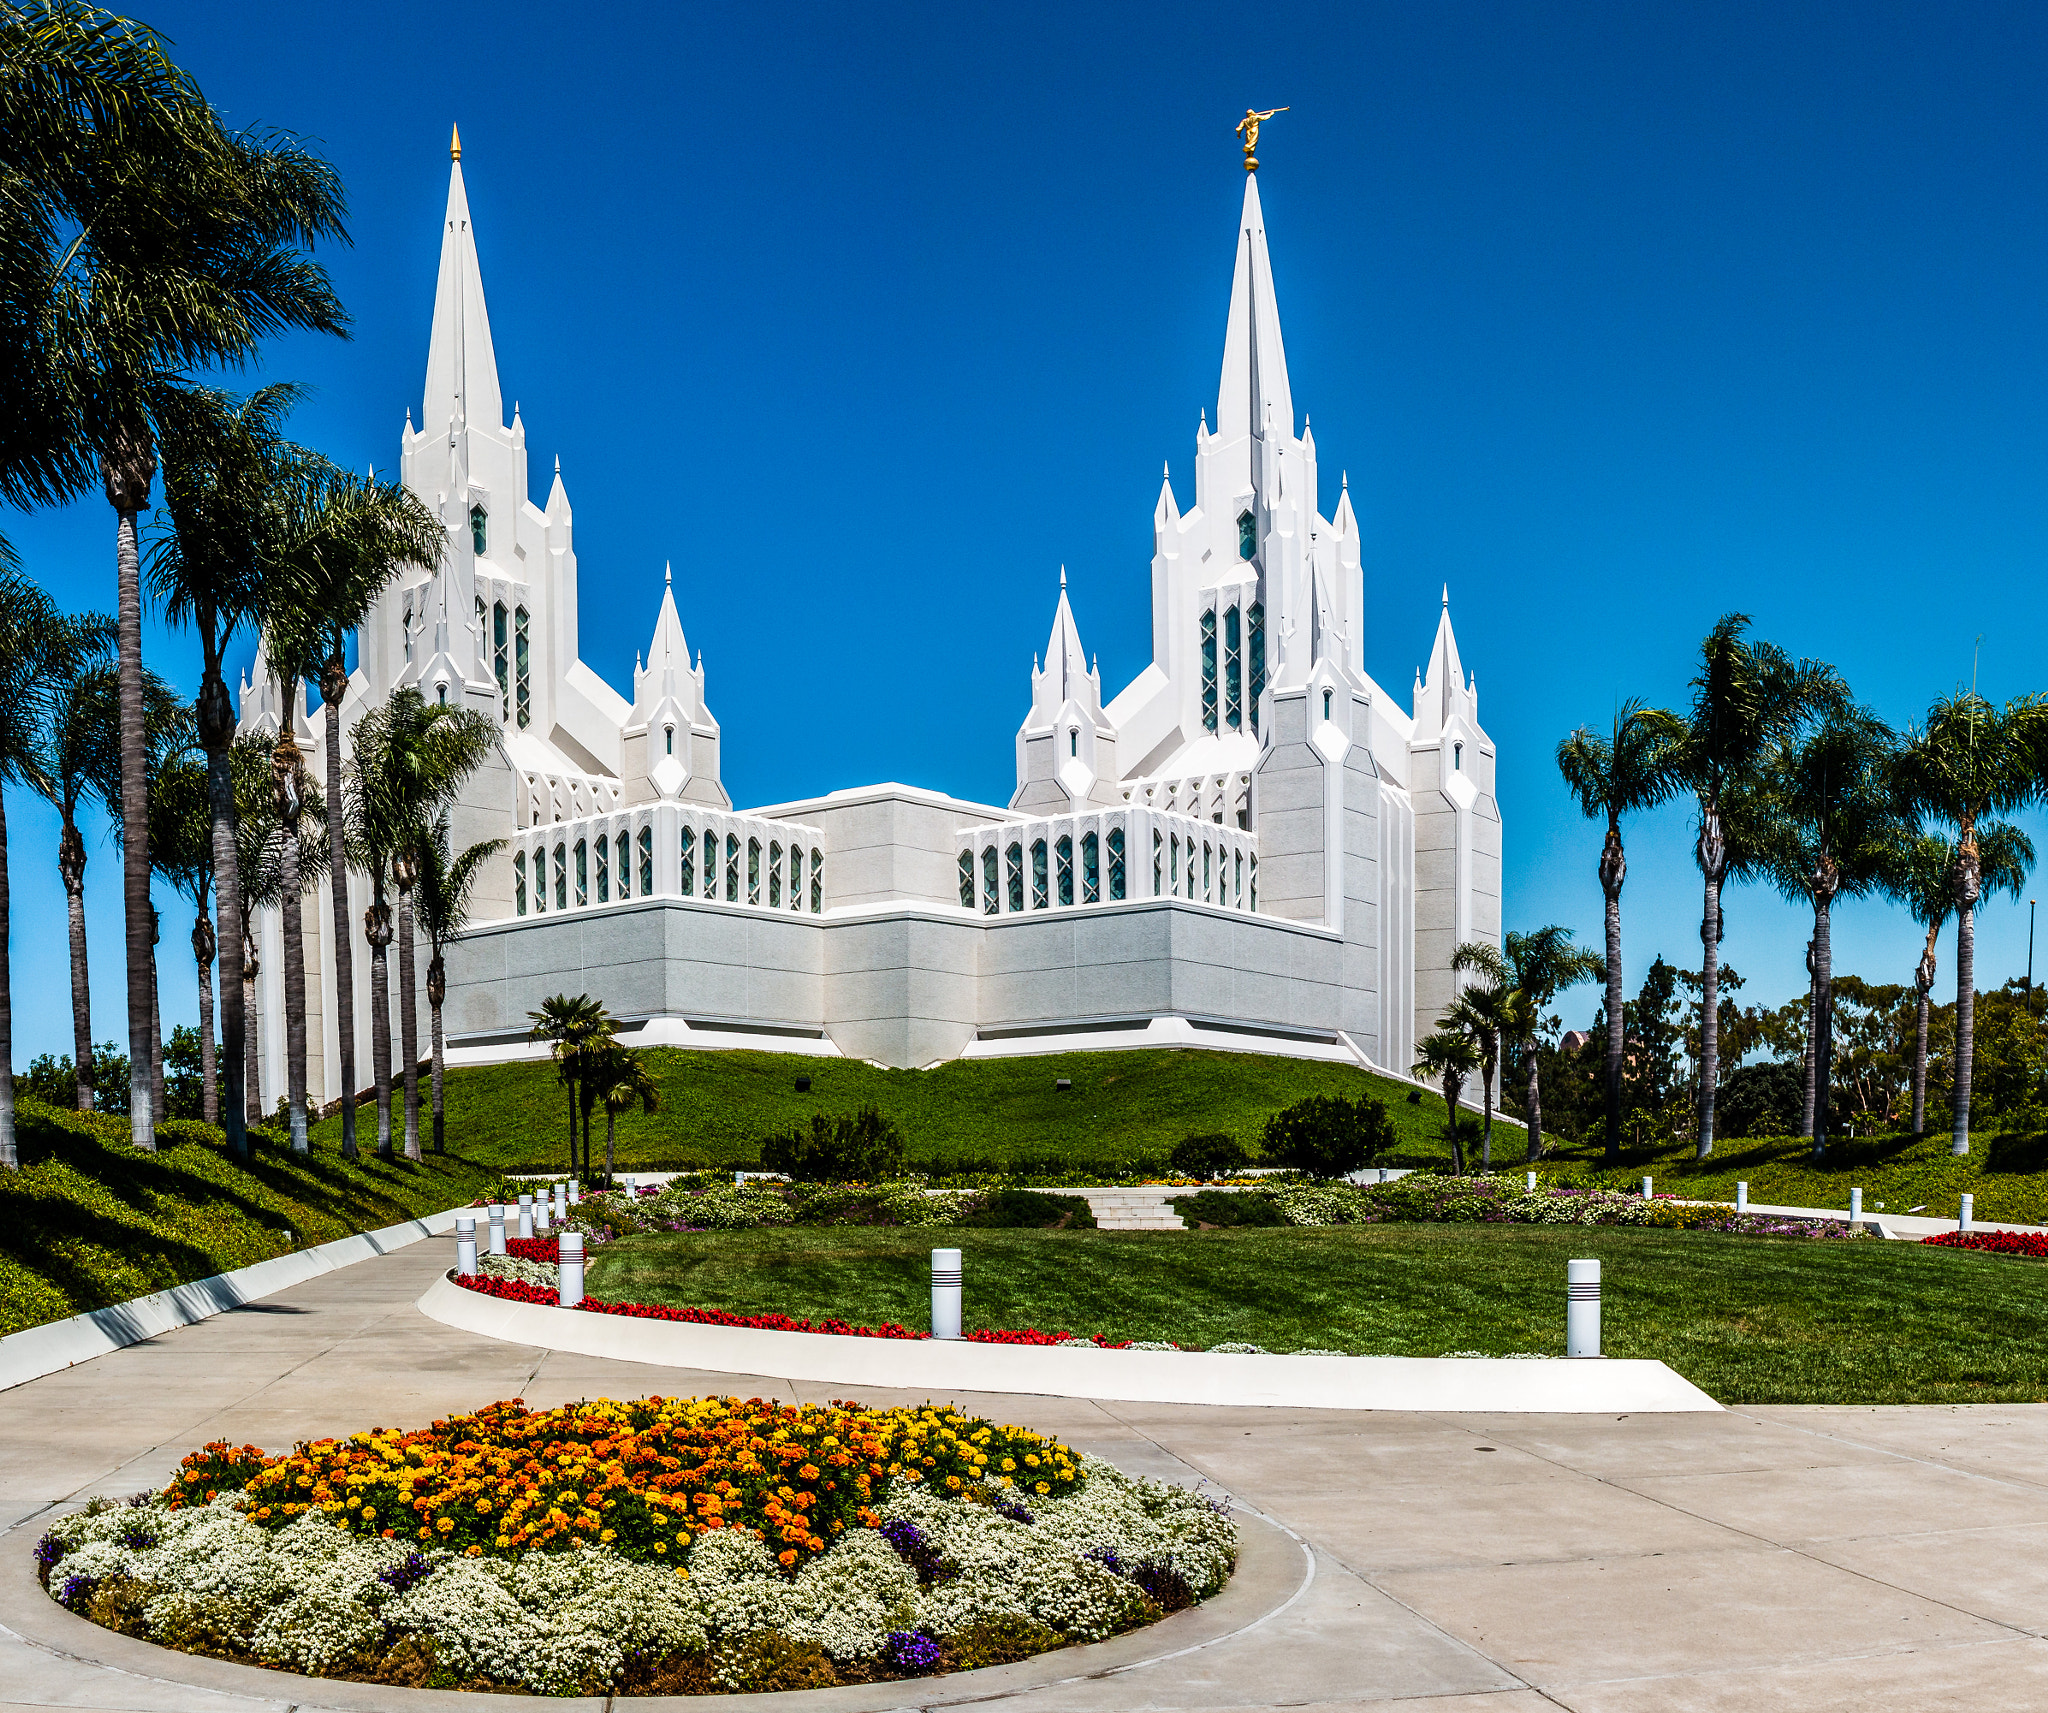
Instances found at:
x=1249 y=846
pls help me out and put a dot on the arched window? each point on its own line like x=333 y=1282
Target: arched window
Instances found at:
x=604 y=880
x=441 y=691
x=1173 y=876
x=1209 y=671
x=1063 y=870
x=1074 y=740
x=561 y=877
x=817 y=881
x=1247 y=535
x=689 y=862
x=1208 y=895
x=1327 y=695
x=500 y=660
x=668 y=737
x=1015 y=856
x=1041 y=894
x=479 y=534
x=1254 y=660
x=710 y=863
x=796 y=877
x=582 y=874
x=1457 y=757
x=1158 y=858
x=647 y=863
x=1233 y=701
x=753 y=871
x=1091 y=869
x=966 y=880
x=1240 y=879
x=406 y=627
x=522 y=660
x=519 y=883
x=991 y=899
x=774 y=874
x=732 y=868
x=1116 y=863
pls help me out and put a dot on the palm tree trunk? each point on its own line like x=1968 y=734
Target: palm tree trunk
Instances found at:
x=10 y=1158
x=1457 y=1145
x=1923 y=982
x=409 y=1023
x=71 y=866
x=156 y=1040
x=611 y=1118
x=1823 y=1016
x=202 y=955
x=377 y=929
x=1966 y=1010
x=1812 y=995
x=1712 y=852
x=228 y=913
x=252 y=1061
x=333 y=686
x=1486 y=1106
x=570 y=1083
x=128 y=495
x=1532 y=1103
x=1613 y=871
x=294 y=969
x=440 y=1138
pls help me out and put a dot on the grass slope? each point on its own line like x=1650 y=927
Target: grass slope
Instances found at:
x=1124 y=1109
x=88 y=1222
x=1748 y=1320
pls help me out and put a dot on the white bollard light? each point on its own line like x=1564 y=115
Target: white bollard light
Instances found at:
x=561 y=1202
x=1969 y=1209
x=575 y=1191
x=945 y=1293
x=1855 y=1207
x=542 y=1210
x=1646 y=1189
x=632 y=1186
x=1532 y=1183
x=526 y=1216
x=497 y=1233
x=1741 y=1195
x=1582 y=1308
x=465 y=1245
x=570 y=1268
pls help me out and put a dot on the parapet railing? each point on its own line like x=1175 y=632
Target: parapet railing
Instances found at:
x=668 y=850
x=1105 y=856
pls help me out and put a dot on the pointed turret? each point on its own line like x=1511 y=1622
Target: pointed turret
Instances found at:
x=462 y=367
x=1066 y=748
x=1442 y=692
x=1254 y=391
x=668 y=745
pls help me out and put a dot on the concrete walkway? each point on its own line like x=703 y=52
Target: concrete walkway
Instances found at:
x=1828 y=1559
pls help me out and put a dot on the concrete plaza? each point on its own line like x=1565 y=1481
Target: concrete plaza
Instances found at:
x=1763 y=1557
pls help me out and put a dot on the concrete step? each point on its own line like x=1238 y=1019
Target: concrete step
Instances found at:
x=1140 y=1222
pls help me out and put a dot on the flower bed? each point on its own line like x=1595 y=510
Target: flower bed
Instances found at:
x=662 y=1545
x=2030 y=1243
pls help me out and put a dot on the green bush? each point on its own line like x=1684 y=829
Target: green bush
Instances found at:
x=771 y=1661
x=180 y=1132
x=1228 y=1208
x=1327 y=1136
x=999 y=1641
x=864 y=1149
x=1029 y=1210
x=1212 y=1156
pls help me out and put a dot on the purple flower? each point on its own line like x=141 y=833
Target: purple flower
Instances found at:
x=1013 y=1512
x=48 y=1551
x=408 y=1573
x=912 y=1653
x=77 y=1592
x=1107 y=1558
x=914 y=1547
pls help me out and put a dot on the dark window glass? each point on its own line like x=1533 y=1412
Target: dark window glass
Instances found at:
x=1116 y=863
x=1209 y=672
x=1063 y=869
x=519 y=883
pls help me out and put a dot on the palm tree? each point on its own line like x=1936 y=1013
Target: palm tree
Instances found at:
x=1969 y=761
x=81 y=754
x=576 y=1028
x=259 y=848
x=445 y=884
x=349 y=537
x=1449 y=1054
x=1612 y=776
x=1747 y=697
x=1542 y=964
x=181 y=842
x=412 y=756
x=1491 y=1012
x=39 y=646
x=622 y=1078
x=1831 y=828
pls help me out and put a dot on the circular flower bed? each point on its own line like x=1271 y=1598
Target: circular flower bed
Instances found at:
x=2030 y=1243
x=663 y=1545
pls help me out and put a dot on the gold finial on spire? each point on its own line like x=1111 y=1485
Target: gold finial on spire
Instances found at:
x=455 y=143
x=1248 y=128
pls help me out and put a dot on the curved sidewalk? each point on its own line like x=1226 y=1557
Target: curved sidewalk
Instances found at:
x=1791 y=1558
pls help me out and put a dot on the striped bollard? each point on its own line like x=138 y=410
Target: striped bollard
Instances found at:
x=570 y=1269
x=543 y=1212
x=575 y=1191
x=1532 y=1183
x=1582 y=1308
x=465 y=1245
x=1855 y=1207
x=1969 y=1209
x=561 y=1193
x=1646 y=1189
x=1741 y=1195
x=526 y=1215
x=945 y=1293
x=497 y=1232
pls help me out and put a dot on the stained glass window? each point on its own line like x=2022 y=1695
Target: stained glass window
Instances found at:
x=1255 y=660
x=519 y=883
x=753 y=871
x=1015 y=854
x=561 y=877
x=522 y=660
x=604 y=884
x=732 y=868
x=1116 y=863
x=710 y=863
x=796 y=877
x=1063 y=869
x=1247 y=535
x=817 y=881
x=774 y=874
x=1255 y=880
x=582 y=875
x=647 y=863
x=1233 y=704
x=1173 y=880
x=1208 y=895
x=966 y=880
x=479 y=532
x=991 y=900
x=1240 y=879
x=1091 y=864
x=1209 y=671
x=501 y=661
x=689 y=863
x=622 y=861
x=1158 y=858
x=1041 y=882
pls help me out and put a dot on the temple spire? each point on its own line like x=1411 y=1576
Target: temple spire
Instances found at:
x=462 y=366
x=1254 y=391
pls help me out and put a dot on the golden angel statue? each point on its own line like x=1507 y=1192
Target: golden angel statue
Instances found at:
x=1248 y=128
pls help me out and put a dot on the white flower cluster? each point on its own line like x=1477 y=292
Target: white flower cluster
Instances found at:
x=545 y=1274
x=311 y=1597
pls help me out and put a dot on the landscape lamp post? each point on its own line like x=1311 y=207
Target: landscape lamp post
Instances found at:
x=465 y=1245
x=497 y=1228
x=1582 y=1308
x=570 y=1268
x=945 y=1293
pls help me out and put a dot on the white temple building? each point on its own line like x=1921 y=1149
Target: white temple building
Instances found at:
x=1251 y=845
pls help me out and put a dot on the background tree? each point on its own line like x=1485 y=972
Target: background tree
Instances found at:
x=574 y=1029
x=181 y=841
x=444 y=889
x=1622 y=773
x=259 y=850
x=621 y=1077
x=1542 y=964
x=1968 y=762
x=1448 y=1056
x=1492 y=1011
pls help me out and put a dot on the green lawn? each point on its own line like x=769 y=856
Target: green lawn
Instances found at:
x=88 y=1222
x=1749 y=1320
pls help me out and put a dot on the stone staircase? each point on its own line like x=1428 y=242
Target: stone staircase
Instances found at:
x=1131 y=1210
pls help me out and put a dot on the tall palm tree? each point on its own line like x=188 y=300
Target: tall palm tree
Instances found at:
x=259 y=851
x=38 y=646
x=1451 y=1056
x=445 y=885
x=181 y=842
x=623 y=1077
x=1493 y=1013
x=350 y=536
x=1747 y=697
x=1831 y=829
x=1613 y=775
x=1542 y=964
x=412 y=757
x=1967 y=762
x=81 y=754
x=575 y=1029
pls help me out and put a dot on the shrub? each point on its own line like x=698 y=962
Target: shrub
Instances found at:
x=771 y=1661
x=181 y=1132
x=1760 y=1100
x=1211 y=1156
x=1327 y=1136
x=999 y=1641
x=1225 y=1208
x=1029 y=1210
x=863 y=1149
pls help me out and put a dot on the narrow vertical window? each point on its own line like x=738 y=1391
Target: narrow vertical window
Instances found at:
x=732 y=868
x=1091 y=869
x=1063 y=870
x=604 y=870
x=774 y=874
x=479 y=529
x=582 y=874
x=668 y=738
x=1457 y=757
x=1239 y=865
x=1328 y=695
x=1173 y=880
x=501 y=661
x=710 y=863
x=481 y=621
x=1209 y=671
x=1255 y=660
x=522 y=668
x=753 y=871
x=1255 y=880
x=1041 y=876
x=519 y=883
x=1074 y=741
x=622 y=862
x=991 y=898
x=1116 y=863
x=406 y=626
x=1247 y=535
x=817 y=881
x=1208 y=892
x=1233 y=701
x=1158 y=860
x=1015 y=856
x=647 y=862
x=796 y=877
x=689 y=863
x=561 y=877
x=966 y=880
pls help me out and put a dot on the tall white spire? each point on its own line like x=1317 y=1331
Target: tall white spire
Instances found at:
x=462 y=367
x=1254 y=394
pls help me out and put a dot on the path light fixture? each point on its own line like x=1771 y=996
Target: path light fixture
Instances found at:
x=465 y=1245
x=945 y=1293
x=1856 y=1207
x=1742 y=1195
x=1963 y=1221
x=803 y=1085
x=497 y=1233
x=1532 y=1183
x=575 y=1191
x=1582 y=1308
x=1060 y=1085
x=543 y=1208
x=570 y=1269
x=526 y=1215
x=1646 y=1189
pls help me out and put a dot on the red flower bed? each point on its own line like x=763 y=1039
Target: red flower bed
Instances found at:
x=2032 y=1243
x=546 y=1249
x=515 y=1291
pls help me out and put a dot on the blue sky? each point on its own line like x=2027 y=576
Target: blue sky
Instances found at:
x=871 y=318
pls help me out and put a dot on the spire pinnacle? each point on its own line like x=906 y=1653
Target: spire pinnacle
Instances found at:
x=1447 y=597
x=668 y=574
x=1063 y=576
x=1254 y=396
x=462 y=365
x=455 y=142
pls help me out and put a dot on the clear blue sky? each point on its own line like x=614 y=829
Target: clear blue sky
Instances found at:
x=869 y=318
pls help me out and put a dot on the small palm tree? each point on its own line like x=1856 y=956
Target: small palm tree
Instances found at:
x=1968 y=762
x=446 y=882
x=576 y=1029
x=1542 y=964
x=1450 y=1056
x=623 y=1078
x=1614 y=775
x=1490 y=1012
x=260 y=868
x=181 y=841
